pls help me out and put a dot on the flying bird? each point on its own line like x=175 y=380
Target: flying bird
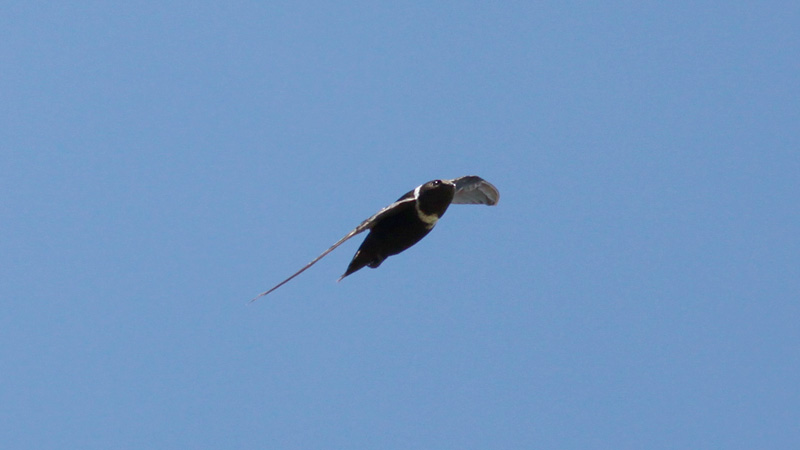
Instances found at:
x=403 y=223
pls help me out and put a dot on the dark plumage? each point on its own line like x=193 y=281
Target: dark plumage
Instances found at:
x=405 y=226
x=403 y=223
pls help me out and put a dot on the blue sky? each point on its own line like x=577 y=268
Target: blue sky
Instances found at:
x=636 y=287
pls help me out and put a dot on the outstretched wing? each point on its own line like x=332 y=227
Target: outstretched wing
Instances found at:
x=365 y=225
x=475 y=190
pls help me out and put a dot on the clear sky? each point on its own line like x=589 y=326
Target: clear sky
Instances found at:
x=637 y=286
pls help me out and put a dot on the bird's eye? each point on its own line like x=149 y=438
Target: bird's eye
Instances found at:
x=437 y=182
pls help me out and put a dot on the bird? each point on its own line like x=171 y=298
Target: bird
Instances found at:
x=405 y=222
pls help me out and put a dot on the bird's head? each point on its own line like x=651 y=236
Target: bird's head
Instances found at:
x=434 y=197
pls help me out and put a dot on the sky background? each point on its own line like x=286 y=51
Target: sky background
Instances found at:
x=637 y=286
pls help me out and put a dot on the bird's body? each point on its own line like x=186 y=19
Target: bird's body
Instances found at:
x=412 y=217
x=389 y=237
x=406 y=221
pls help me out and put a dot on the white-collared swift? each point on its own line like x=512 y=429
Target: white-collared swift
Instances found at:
x=402 y=224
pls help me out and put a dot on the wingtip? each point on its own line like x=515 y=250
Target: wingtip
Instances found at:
x=266 y=292
x=257 y=297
